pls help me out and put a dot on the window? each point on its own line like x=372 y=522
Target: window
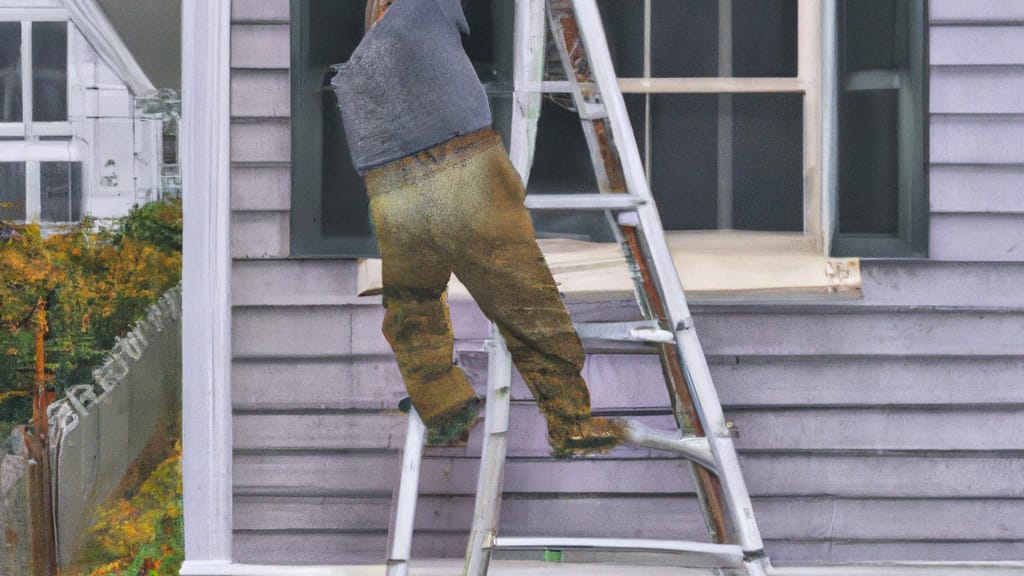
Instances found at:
x=731 y=101
x=41 y=175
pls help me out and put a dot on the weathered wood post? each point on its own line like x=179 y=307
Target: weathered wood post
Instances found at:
x=44 y=544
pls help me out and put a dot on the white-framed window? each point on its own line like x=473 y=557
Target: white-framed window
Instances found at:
x=40 y=167
x=797 y=123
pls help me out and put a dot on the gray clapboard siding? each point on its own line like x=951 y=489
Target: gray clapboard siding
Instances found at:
x=260 y=93
x=947 y=284
x=986 y=189
x=257 y=188
x=308 y=331
x=977 y=139
x=259 y=11
x=978 y=237
x=654 y=515
x=260 y=140
x=960 y=475
x=362 y=382
x=262 y=234
x=312 y=547
x=976 y=90
x=979 y=11
x=319 y=431
x=293 y=281
x=260 y=46
x=834 y=551
x=983 y=45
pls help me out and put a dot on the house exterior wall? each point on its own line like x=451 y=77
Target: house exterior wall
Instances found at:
x=884 y=428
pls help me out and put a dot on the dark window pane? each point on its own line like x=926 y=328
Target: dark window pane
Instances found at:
x=12 y=190
x=489 y=44
x=60 y=190
x=869 y=168
x=764 y=36
x=684 y=38
x=684 y=159
x=624 y=27
x=49 y=71
x=768 y=162
x=10 y=72
x=870 y=34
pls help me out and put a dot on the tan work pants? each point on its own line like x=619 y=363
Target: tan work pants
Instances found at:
x=458 y=207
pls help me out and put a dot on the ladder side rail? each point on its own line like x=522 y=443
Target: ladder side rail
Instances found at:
x=404 y=512
x=677 y=310
x=490 y=481
x=527 y=74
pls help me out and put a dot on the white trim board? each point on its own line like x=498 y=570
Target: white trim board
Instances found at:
x=101 y=34
x=511 y=568
x=206 y=283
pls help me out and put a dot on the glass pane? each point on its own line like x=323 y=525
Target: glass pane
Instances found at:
x=10 y=72
x=764 y=36
x=768 y=145
x=684 y=159
x=49 y=71
x=60 y=191
x=869 y=167
x=684 y=38
x=12 y=190
x=624 y=27
x=764 y=147
x=869 y=34
x=489 y=44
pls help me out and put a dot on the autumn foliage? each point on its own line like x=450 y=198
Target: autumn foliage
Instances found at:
x=94 y=282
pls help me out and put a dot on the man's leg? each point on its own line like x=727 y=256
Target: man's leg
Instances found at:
x=495 y=255
x=416 y=321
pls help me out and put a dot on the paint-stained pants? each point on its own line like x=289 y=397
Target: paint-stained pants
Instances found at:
x=458 y=207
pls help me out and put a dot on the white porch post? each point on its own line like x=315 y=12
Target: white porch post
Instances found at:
x=206 y=303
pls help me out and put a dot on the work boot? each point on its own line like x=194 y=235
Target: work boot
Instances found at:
x=452 y=428
x=585 y=437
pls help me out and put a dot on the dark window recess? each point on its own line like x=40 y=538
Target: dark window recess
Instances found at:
x=882 y=189
x=60 y=191
x=764 y=36
x=330 y=210
x=10 y=72
x=12 y=191
x=765 y=148
x=49 y=71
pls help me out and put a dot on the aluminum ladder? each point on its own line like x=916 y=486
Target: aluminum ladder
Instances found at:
x=703 y=437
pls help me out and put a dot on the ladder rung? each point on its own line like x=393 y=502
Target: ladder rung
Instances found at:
x=641 y=331
x=711 y=555
x=694 y=448
x=583 y=201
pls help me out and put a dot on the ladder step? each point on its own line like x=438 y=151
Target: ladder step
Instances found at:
x=704 y=554
x=640 y=331
x=583 y=201
x=696 y=449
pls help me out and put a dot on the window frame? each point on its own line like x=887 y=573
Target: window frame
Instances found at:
x=24 y=140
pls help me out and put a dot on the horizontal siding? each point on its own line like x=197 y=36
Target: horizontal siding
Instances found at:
x=260 y=10
x=260 y=93
x=260 y=46
x=983 y=189
x=984 y=45
x=256 y=188
x=261 y=140
x=310 y=331
x=293 y=282
x=977 y=139
x=978 y=237
x=977 y=90
x=977 y=11
x=340 y=383
x=847 y=475
x=259 y=234
x=948 y=284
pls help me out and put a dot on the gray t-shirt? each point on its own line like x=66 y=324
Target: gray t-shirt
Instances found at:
x=409 y=85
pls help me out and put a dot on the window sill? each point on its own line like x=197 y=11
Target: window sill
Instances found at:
x=712 y=265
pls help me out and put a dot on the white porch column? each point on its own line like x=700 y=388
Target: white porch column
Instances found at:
x=206 y=303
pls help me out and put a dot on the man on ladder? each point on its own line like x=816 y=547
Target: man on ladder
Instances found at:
x=445 y=198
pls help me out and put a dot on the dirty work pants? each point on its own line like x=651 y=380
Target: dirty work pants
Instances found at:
x=458 y=207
